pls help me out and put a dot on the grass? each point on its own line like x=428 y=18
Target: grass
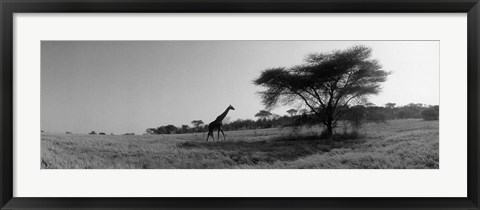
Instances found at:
x=398 y=144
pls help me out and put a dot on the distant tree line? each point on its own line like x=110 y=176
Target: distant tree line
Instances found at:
x=103 y=134
x=355 y=116
x=358 y=115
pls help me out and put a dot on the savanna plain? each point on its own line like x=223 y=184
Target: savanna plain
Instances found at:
x=395 y=144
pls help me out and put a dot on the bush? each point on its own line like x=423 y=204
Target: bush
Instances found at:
x=356 y=116
x=430 y=114
x=376 y=117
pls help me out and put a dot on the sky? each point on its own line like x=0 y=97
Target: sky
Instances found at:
x=128 y=86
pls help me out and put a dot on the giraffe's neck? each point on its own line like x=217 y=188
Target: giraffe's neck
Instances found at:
x=223 y=115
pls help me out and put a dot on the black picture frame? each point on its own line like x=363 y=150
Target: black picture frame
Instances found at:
x=9 y=7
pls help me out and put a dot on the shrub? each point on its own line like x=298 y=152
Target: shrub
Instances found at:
x=356 y=116
x=430 y=114
x=376 y=117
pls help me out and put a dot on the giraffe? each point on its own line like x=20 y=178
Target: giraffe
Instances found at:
x=217 y=124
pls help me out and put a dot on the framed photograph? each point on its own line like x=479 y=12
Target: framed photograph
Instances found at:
x=239 y=104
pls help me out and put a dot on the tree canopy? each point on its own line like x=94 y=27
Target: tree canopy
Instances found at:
x=263 y=114
x=390 y=105
x=292 y=112
x=326 y=83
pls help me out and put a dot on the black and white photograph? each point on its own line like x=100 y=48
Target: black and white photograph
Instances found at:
x=240 y=104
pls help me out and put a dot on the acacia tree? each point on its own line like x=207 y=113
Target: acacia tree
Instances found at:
x=292 y=112
x=197 y=124
x=327 y=83
x=263 y=114
x=390 y=105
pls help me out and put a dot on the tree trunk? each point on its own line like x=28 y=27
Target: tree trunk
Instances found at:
x=328 y=132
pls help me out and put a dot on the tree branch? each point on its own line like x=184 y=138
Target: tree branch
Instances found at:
x=318 y=97
x=301 y=96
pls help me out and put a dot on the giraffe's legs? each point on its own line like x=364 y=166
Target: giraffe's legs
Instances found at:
x=218 y=135
x=223 y=135
x=208 y=135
